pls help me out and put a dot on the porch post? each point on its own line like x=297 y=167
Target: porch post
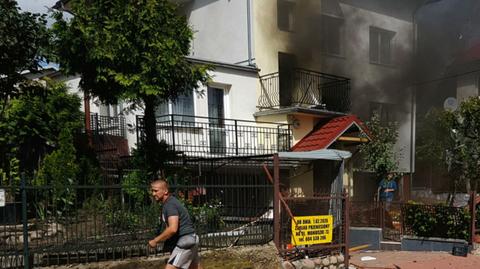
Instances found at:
x=347 y=226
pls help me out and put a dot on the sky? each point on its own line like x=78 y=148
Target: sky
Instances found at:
x=36 y=6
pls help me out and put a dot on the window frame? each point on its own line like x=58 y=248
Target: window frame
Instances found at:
x=381 y=45
x=286 y=8
x=179 y=119
x=340 y=34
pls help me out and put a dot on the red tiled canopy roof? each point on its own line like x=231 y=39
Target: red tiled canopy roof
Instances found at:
x=327 y=134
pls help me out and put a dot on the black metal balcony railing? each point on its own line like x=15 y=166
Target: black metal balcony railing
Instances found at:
x=304 y=88
x=210 y=137
x=106 y=125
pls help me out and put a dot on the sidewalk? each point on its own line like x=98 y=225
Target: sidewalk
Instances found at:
x=414 y=260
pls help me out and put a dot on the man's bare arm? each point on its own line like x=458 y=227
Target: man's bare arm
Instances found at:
x=170 y=231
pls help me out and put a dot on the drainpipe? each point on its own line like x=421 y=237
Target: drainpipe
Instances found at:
x=249 y=32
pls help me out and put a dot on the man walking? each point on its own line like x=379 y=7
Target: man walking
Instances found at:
x=179 y=237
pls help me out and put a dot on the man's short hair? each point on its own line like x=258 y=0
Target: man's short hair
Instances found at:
x=160 y=181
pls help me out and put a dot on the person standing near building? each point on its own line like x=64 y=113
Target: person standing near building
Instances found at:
x=386 y=190
x=179 y=236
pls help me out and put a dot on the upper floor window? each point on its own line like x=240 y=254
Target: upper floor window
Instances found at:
x=381 y=42
x=332 y=31
x=286 y=15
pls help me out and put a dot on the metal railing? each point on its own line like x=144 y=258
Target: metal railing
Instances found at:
x=400 y=218
x=106 y=125
x=305 y=88
x=215 y=137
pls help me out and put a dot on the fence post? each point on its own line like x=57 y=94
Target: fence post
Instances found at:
x=236 y=137
x=278 y=138
x=137 y=128
x=473 y=195
x=276 y=201
x=26 y=254
x=172 y=118
x=347 y=227
x=382 y=216
x=96 y=124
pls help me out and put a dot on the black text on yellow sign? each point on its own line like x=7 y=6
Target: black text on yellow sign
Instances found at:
x=310 y=230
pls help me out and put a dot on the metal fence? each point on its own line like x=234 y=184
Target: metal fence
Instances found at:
x=205 y=137
x=106 y=125
x=305 y=88
x=229 y=200
x=400 y=218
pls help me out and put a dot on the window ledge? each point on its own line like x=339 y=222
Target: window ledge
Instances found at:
x=383 y=64
x=333 y=55
x=179 y=127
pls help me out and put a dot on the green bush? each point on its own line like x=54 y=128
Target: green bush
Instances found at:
x=207 y=216
x=133 y=185
x=437 y=221
x=59 y=169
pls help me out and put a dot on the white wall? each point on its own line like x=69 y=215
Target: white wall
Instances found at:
x=240 y=93
x=220 y=29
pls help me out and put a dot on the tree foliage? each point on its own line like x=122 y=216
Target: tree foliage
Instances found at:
x=433 y=136
x=33 y=122
x=129 y=50
x=378 y=154
x=23 y=43
x=463 y=156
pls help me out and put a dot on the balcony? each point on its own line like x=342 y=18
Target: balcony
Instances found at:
x=106 y=125
x=204 y=137
x=304 y=88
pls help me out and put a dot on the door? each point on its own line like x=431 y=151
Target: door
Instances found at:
x=286 y=72
x=216 y=114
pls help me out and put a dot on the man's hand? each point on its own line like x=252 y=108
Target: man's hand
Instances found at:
x=152 y=243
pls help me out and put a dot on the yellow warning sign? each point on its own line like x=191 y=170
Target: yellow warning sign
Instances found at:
x=310 y=230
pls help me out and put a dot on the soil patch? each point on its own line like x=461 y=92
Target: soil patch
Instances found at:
x=249 y=257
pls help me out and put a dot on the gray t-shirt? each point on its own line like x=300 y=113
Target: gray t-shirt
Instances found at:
x=173 y=207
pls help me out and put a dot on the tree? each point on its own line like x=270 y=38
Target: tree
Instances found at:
x=33 y=122
x=130 y=50
x=24 y=43
x=378 y=154
x=463 y=156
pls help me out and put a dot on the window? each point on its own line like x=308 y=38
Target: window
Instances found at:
x=216 y=114
x=183 y=108
x=381 y=45
x=332 y=31
x=110 y=110
x=286 y=15
x=387 y=112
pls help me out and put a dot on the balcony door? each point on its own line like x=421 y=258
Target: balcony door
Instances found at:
x=216 y=114
x=286 y=72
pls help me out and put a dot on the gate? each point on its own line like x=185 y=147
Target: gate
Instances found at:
x=313 y=224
